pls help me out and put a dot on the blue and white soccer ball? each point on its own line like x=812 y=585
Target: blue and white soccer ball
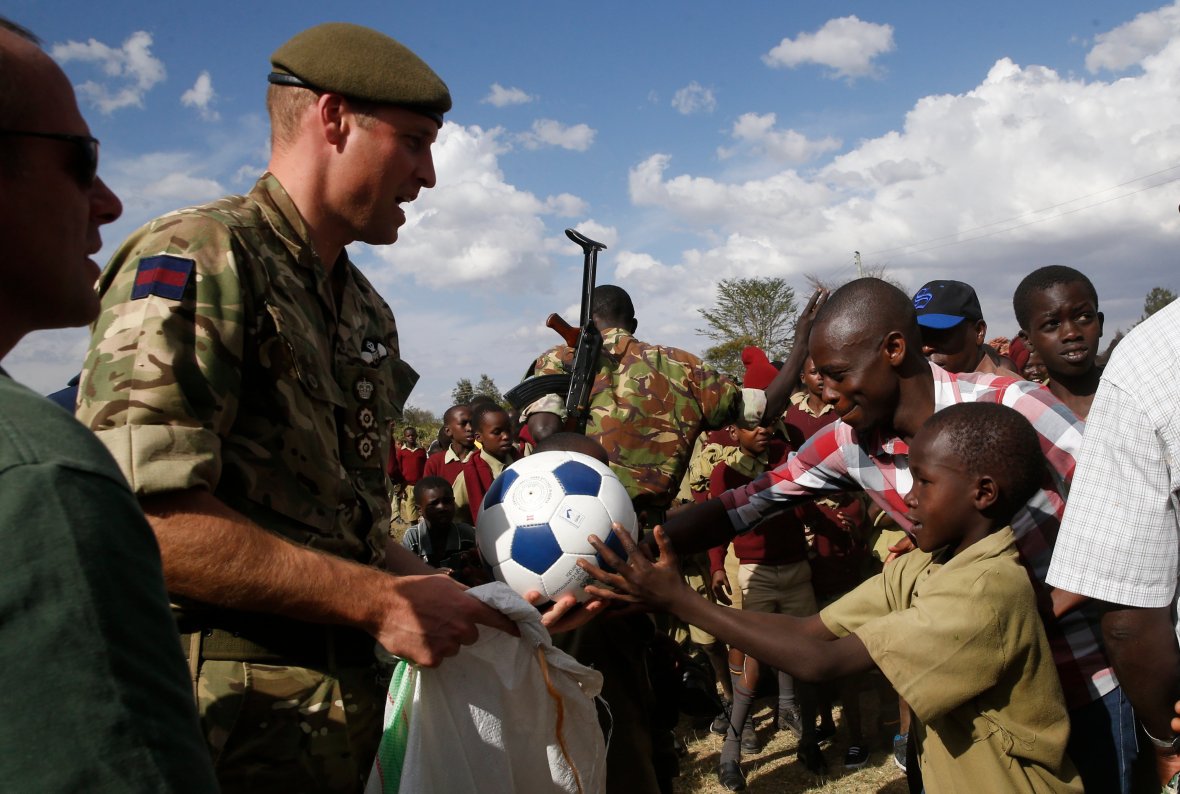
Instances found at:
x=537 y=515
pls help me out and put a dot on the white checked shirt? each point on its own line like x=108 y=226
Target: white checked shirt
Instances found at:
x=1120 y=539
x=837 y=459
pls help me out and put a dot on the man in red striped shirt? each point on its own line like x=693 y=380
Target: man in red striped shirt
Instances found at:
x=866 y=344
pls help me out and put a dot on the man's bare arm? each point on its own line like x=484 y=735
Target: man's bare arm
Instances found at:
x=217 y=556
x=1142 y=646
x=695 y=528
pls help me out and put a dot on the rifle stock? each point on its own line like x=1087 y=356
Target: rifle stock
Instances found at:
x=564 y=329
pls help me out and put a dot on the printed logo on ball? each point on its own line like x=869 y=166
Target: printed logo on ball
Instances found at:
x=572 y=516
x=531 y=494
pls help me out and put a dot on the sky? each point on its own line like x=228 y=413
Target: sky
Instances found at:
x=698 y=141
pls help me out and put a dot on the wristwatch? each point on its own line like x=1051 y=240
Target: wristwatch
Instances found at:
x=1172 y=744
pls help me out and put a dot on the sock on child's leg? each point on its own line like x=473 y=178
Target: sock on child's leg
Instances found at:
x=786 y=691
x=743 y=700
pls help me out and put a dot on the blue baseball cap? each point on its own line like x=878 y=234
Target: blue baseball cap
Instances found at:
x=945 y=304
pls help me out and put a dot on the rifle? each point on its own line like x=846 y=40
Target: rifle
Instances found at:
x=586 y=342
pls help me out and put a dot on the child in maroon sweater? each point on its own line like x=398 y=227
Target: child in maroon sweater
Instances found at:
x=774 y=577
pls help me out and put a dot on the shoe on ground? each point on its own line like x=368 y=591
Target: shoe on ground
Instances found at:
x=730 y=776
x=899 y=745
x=789 y=720
x=812 y=758
x=720 y=725
x=855 y=757
x=750 y=737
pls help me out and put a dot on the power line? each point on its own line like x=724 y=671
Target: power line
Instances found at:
x=958 y=234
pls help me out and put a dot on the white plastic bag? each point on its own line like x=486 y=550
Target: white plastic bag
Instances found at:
x=507 y=714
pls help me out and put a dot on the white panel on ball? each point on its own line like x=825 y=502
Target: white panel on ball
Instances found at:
x=538 y=513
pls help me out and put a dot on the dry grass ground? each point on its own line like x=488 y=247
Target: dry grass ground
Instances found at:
x=775 y=768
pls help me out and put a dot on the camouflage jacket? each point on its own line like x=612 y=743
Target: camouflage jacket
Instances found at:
x=219 y=362
x=649 y=403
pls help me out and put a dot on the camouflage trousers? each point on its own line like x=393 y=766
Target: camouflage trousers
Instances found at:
x=290 y=729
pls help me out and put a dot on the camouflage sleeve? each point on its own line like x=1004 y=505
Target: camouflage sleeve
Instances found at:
x=722 y=401
x=161 y=379
x=554 y=361
x=551 y=362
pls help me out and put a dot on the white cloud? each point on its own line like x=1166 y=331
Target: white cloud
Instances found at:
x=501 y=97
x=1131 y=42
x=475 y=226
x=132 y=70
x=565 y=205
x=694 y=98
x=846 y=45
x=158 y=182
x=966 y=187
x=547 y=132
x=756 y=133
x=201 y=96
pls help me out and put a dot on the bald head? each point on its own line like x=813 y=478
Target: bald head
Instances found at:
x=21 y=58
x=868 y=307
x=572 y=442
x=51 y=202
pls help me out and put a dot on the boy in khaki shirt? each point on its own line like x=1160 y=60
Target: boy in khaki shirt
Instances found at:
x=953 y=626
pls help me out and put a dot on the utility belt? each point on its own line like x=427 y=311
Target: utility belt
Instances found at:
x=265 y=639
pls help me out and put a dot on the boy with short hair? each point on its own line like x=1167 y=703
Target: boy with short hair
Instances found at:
x=775 y=577
x=493 y=432
x=1057 y=308
x=408 y=460
x=437 y=538
x=953 y=626
x=448 y=463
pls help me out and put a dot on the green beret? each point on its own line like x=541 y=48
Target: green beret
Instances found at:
x=361 y=63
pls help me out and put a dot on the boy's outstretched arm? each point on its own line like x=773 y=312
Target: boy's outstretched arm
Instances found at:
x=695 y=528
x=802 y=647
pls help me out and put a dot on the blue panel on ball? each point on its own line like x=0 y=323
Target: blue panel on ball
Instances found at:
x=498 y=488
x=535 y=547
x=578 y=478
x=614 y=544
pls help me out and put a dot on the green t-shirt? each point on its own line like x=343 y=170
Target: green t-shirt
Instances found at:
x=963 y=644
x=94 y=690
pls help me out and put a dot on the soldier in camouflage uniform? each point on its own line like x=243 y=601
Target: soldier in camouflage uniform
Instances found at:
x=649 y=402
x=647 y=406
x=242 y=373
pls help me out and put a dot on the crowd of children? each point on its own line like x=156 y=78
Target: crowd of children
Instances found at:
x=989 y=703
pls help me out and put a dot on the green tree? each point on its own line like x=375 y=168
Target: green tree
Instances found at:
x=726 y=357
x=488 y=386
x=422 y=420
x=1156 y=299
x=464 y=390
x=749 y=311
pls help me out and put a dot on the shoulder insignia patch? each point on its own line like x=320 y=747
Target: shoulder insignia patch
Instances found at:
x=164 y=276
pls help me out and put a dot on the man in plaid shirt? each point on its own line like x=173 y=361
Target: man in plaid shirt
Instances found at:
x=867 y=346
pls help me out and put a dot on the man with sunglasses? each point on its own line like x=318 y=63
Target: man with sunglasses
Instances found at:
x=243 y=372
x=94 y=688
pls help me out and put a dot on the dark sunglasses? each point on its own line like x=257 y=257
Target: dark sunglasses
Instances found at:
x=86 y=162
